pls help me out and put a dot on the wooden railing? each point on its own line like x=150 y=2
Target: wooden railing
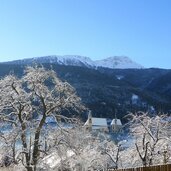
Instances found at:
x=151 y=168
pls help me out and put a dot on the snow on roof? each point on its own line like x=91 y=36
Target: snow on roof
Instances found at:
x=87 y=122
x=118 y=122
x=99 y=122
x=53 y=160
x=134 y=97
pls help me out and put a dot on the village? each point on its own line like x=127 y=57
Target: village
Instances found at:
x=85 y=85
x=103 y=124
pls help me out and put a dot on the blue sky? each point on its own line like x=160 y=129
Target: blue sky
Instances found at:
x=140 y=29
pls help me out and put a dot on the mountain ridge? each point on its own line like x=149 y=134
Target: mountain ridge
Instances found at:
x=113 y=62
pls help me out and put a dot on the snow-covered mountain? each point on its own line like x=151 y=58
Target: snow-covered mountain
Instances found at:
x=62 y=60
x=120 y=62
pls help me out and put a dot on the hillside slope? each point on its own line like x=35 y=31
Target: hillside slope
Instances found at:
x=105 y=90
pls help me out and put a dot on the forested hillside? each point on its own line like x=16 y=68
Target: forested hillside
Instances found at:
x=107 y=91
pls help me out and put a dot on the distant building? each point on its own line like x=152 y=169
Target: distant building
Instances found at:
x=116 y=125
x=103 y=124
x=134 y=99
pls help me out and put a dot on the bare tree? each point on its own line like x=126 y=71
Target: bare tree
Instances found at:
x=112 y=150
x=78 y=149
x=39 y=93
x=151 y=135
x=8 y=141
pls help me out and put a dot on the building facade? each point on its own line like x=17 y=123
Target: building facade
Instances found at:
x=103 y=124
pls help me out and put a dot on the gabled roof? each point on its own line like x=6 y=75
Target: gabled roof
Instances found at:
x=118 y=122
x=99 y=122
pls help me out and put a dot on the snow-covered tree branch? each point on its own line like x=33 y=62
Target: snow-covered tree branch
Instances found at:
x=38 y=94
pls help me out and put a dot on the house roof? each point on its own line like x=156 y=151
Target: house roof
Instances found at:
x=99 y=122
x=103 y=122
x=118 y=122
x=135 y=97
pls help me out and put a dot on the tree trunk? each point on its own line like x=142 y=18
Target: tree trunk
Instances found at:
x=24 y=141
x=29 y=168
x=13 y=151
x=36 y=153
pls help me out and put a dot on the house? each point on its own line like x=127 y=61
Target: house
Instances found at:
x=134 y=99
x=103 y=124
x=116 y=125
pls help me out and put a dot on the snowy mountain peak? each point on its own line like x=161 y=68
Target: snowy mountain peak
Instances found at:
x=121 y=62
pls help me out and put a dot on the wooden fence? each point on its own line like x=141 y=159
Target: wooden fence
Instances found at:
x=151 y=168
